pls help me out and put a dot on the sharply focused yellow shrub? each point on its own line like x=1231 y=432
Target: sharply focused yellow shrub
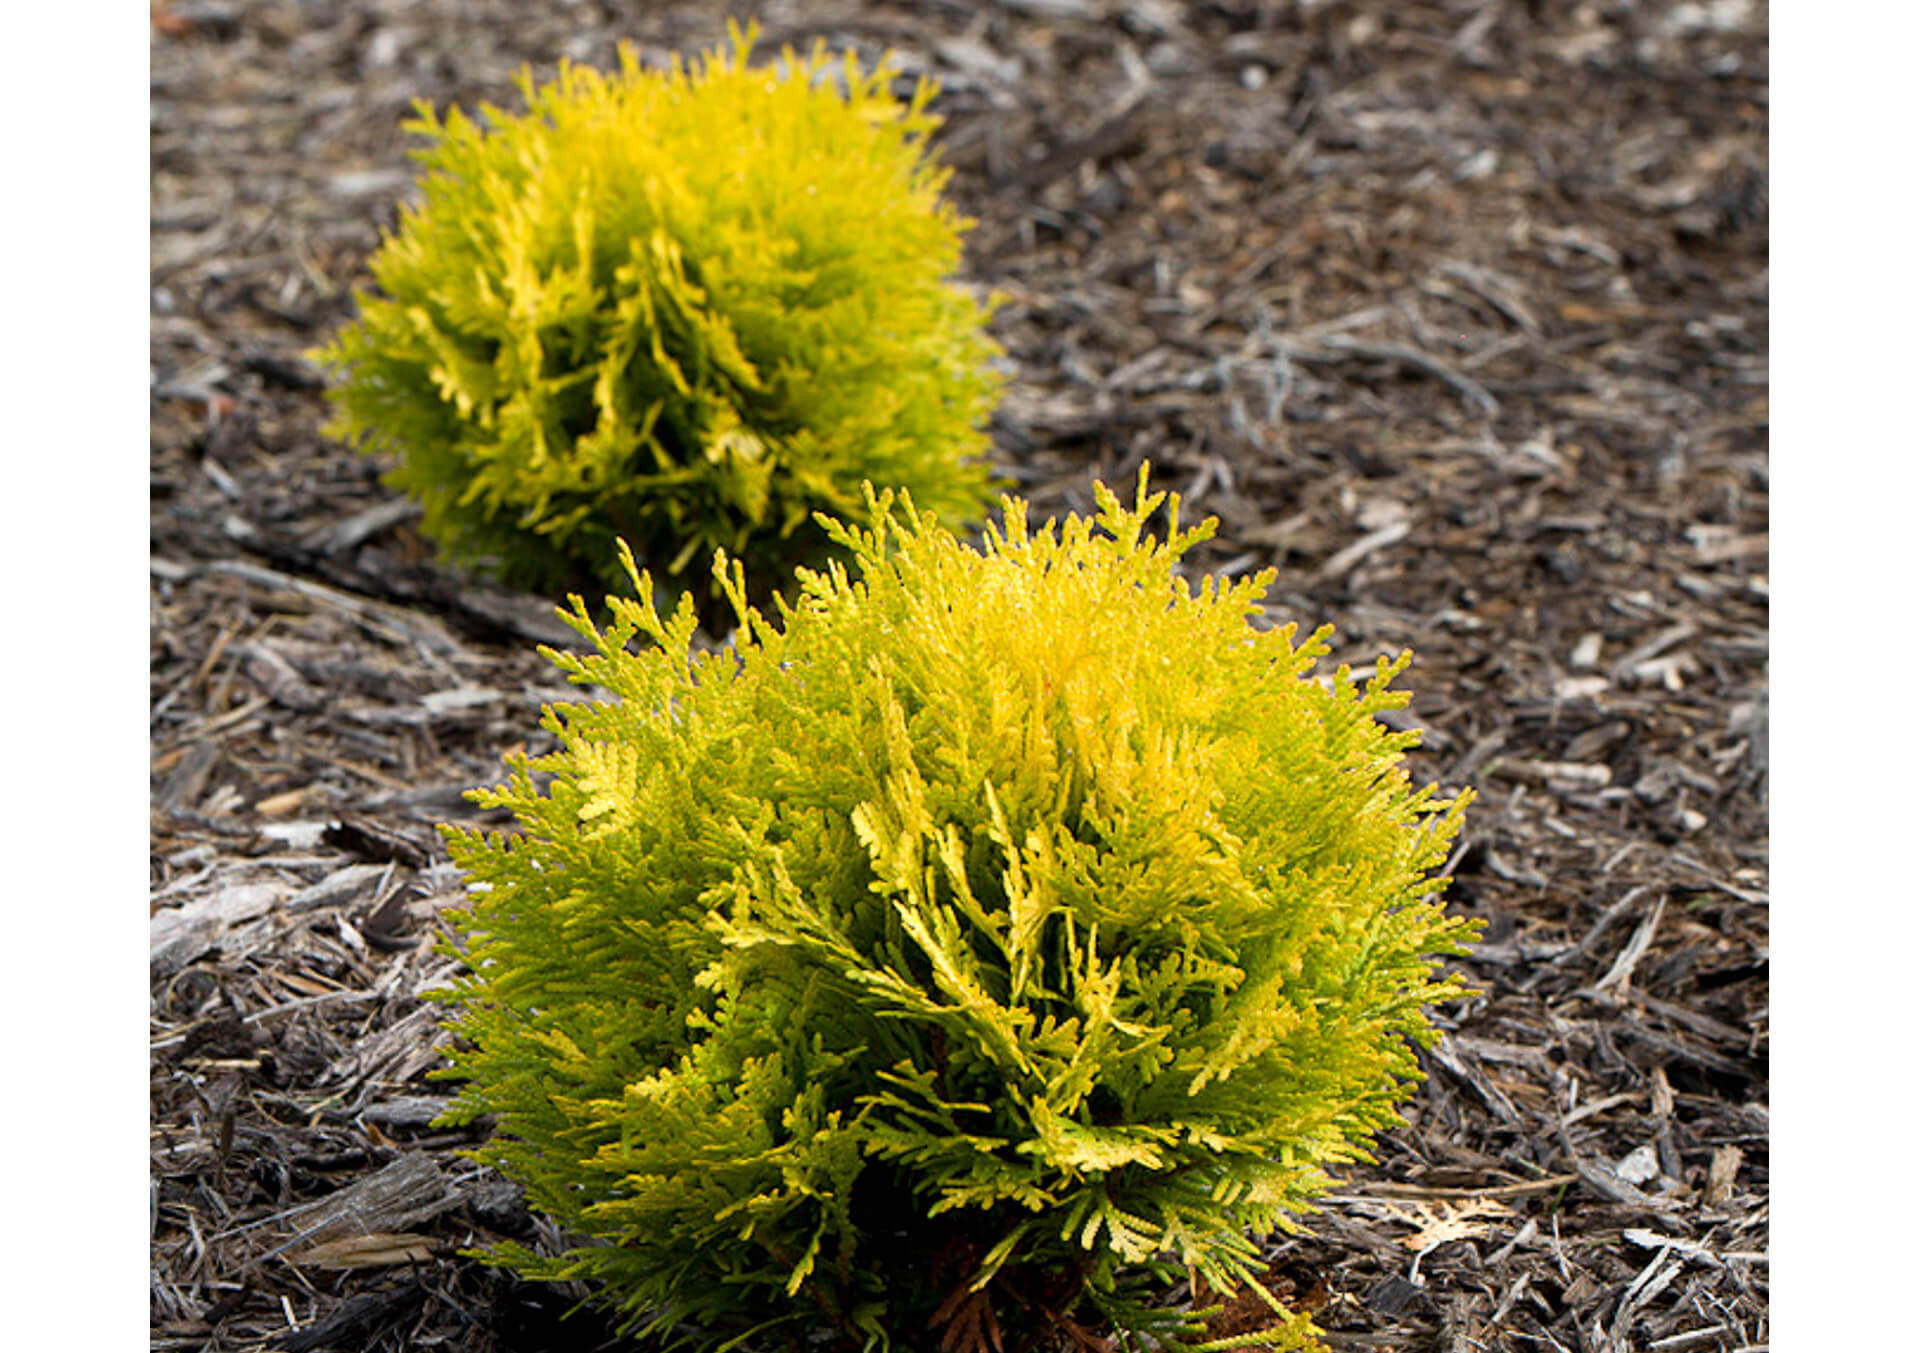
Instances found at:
x=685 y=309
x=955 y=960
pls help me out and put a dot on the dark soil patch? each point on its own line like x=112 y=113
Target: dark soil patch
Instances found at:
x=1455 y=311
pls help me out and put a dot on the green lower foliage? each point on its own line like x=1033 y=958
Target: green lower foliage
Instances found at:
x=957 y=962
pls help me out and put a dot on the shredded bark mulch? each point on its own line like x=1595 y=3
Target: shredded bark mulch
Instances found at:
x=1454 y=311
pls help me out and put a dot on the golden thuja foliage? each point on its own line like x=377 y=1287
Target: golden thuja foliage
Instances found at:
x=686 y=308
x=996 y=936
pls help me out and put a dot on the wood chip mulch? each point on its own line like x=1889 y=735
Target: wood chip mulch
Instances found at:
x=1455 y=311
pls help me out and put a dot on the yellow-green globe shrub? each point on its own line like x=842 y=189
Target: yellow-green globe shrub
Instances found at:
x=959 y=958
x=687 y=309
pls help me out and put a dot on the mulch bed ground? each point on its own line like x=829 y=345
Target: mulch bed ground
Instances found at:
x=1454 y=312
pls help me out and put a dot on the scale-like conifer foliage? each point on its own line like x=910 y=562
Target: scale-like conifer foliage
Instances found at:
x=687 y=309
x=954 y=961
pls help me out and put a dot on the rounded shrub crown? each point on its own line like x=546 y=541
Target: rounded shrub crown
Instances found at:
x=685 y=308
x=949 y=963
